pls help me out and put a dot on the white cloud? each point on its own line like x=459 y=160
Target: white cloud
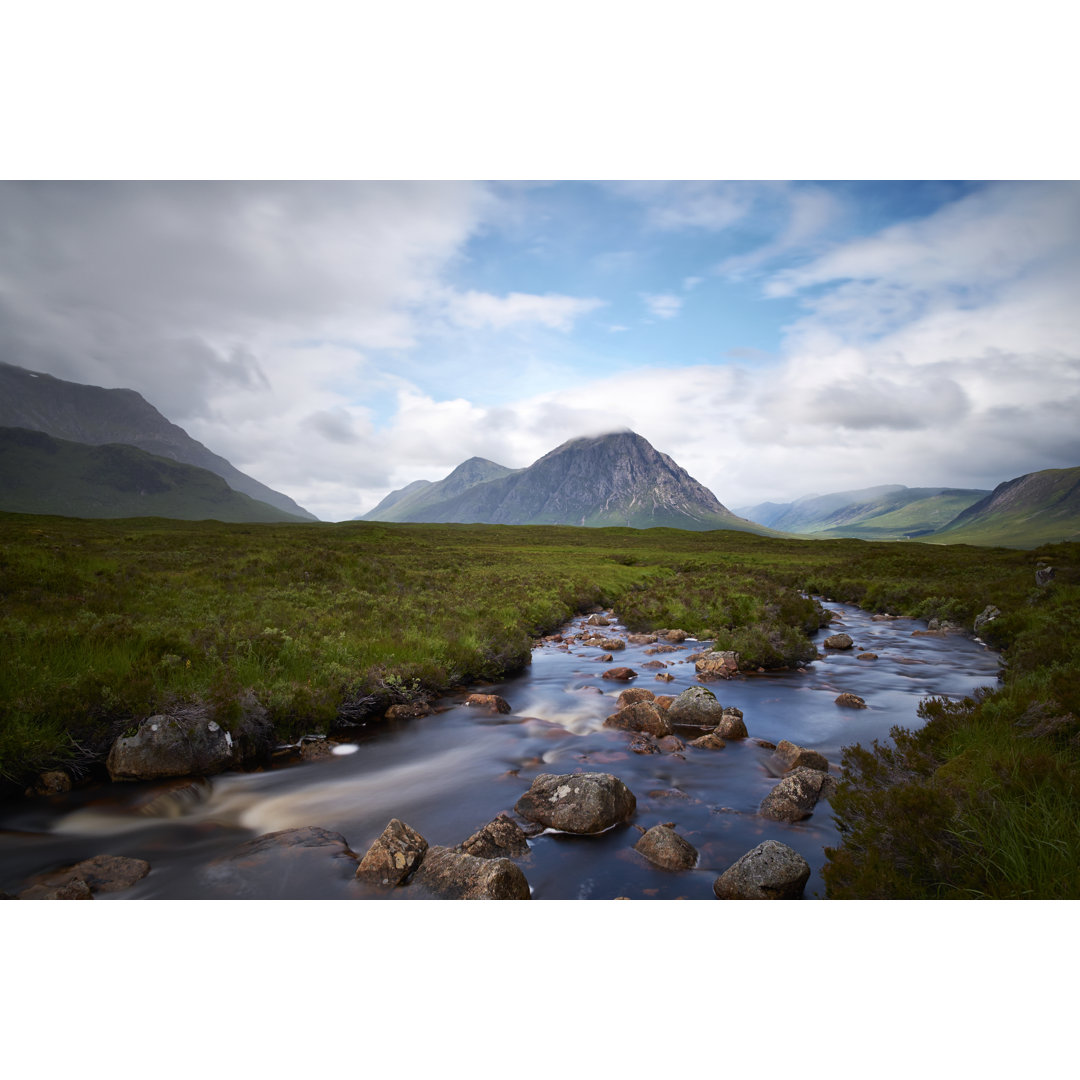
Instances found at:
x=662 y=305
x=477 y=310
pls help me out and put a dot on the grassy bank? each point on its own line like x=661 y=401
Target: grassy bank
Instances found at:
x=105 y=622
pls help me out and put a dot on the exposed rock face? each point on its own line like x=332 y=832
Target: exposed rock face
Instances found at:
x=717 y=665
x=101 y=873
x=633 y=695
x=664 y=847
x=987 y=615
x=851 y=701
x=788 y=756
x=696 y=707
x=795 y=797
x=772 y=871
x=491 y=702
x=622 y=674
x=502 y=838
x=732 y=725
x=577 y=802
x=454 y=875
x=188 y=744
x=839 y=641
x=640 y=716
x=393 y=856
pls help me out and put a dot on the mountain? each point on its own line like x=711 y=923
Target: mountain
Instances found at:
x=1033 y=509
x=90 y=414
x=416 y=498
x=43 y=475
x=887 y=512
x=617 y=479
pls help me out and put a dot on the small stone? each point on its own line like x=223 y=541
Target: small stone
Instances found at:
x=411 y=710
x=851 y=701
x=795 y=797
x=664 y=676
x=488 y=701
x=633 y=695
x=866 y=656
x=643 y=744
x=839 y=641
x=671 y=744
x=712 y=741
x=788 y=756
x=664 y=847
x=622 y=674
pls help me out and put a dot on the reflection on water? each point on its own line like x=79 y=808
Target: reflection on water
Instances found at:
x=448 y=774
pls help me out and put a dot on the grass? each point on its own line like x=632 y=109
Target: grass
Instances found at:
x=105 y=622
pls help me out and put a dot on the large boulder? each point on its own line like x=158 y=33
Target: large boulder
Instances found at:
x=788 y=756
x=502 y=838
x=664 y=847
x=772 y=871
x=454 y=875
x=640 y=716
x=577 y=802
x=795 y=797
x=393 y=856
x=184 y=743
x=696 y=707
x=839 y=641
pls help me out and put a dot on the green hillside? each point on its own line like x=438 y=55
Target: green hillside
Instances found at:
x=43 y=475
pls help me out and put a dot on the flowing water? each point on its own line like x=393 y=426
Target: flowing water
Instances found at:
x=448 y=774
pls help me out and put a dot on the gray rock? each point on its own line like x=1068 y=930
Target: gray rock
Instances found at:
x=101 y=873
x=772 y=871
x=839 y=641
x=177 y=744
x=577 y=802
x=987 y=615
x=795 y=797
x=69 y=890
x=393 y=856
x=788 y=756
x=1044 y=575
x=696 y=707
x=640 y=716
x=664 y=847
x=502 y=838
x=453 y=875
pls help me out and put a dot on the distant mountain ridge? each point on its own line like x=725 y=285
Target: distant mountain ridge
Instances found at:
x=614 y=479
x=43 y=475
x=80 y=413
x=886 y=512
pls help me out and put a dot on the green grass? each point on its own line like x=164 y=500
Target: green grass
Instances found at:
x=104 y=622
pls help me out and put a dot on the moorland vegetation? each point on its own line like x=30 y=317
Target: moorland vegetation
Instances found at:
x=105 y=622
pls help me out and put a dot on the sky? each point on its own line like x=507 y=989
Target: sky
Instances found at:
x=338 y=340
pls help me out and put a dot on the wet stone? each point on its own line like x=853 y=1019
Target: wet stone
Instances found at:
x=621 y=674
x=393 y=856
x=491 y=702
x=851 y=701
x=839 y=641
x=455 y=875
x=664 y=847
x=772 y=871
x=577 y=802
x=498 y=839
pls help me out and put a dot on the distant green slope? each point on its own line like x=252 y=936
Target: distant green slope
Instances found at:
x=1030 y=510
x=412 y=503
x=43 y=475
x=902 y=520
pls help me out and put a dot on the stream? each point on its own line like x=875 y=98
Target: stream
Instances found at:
x=448 y=774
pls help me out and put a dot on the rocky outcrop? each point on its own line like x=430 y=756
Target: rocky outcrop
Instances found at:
x=772 y=871
x=795 y=797
x=577 y=802
x=502 y=838
x=664 y=847
x=620 y=674
x=491 y=702
x=839 y=641
x=696 y=707
x=851 y=701
x=788 y=756
x=453 y=875
x=640 y=716
x=177 y=744
x=393 y=856
x=99 y=874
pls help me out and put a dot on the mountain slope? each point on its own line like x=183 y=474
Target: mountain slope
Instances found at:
x=1033 y=509
x=617 y=479
x=417 y=497
x=888 y=512
x=43 y=475
x=93 y=415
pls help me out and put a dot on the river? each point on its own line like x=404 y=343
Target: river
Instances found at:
x=450 y=773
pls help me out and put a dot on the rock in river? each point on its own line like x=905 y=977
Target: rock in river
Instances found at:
x=696 y=707
x=393 y=856
x=795 y=797
x=188 y=744
x=788 y=756
x=622 y=674
x=453 y=875
x=101 y=873
x=488 y=701
x=502 y=838
x=851 y=701
x=640 y=716
x=772 y=871
x=577 y=802
x=663 y=846
x=839 y=641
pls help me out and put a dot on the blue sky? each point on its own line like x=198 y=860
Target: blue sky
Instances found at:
x=338 y=340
